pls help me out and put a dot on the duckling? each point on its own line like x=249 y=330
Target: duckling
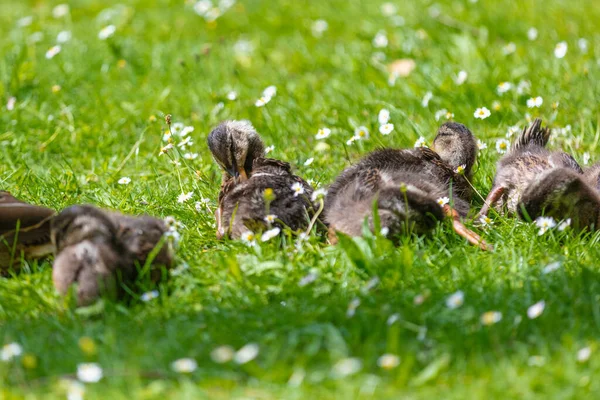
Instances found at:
x=406 y=185
x=526 y=161
x=592 y=175
x=95 y=247
x=248 y=205
x=235 y=145
x=24 y=231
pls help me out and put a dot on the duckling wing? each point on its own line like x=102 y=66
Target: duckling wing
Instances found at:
x=560 y=159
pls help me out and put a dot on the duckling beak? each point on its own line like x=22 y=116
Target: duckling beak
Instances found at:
x=241 y=174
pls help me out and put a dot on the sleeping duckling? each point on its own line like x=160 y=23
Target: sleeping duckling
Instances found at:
x=263 y=193
x=24 y=231
x=527 y=161
x=407 y=186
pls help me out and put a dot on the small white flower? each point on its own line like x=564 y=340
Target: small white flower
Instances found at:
x=440 y=113
x=203 y=7
x=186 y=131
x=536 y=310
x=384 y=231
x=308 y=279
x=426 y=99
x=269 y=149
x=25 y=21
x=509 y=48
x=249 y=238
x=560 y=50
x=246 y=353
x=582 y=43
x=124 y=181
x=545 y=223
x=380 y=40
x=388 y=9
x=309 y=161
x=75 y=390
x=512 y=130
x=323 y=133
x=386 y=129
x=384 y=116
x=10 y=104
x=361 y=133
x=190 y=156
x=270 y=91
x=202 y=204
x=455 y=300
x=503 y=87
x=352 y=306
x=586 y=155
x=165 y=149
x=270 y=218
x=232 y=95
x=392 y=319
x=89 y=372
x=318 y=194
x=319 y=27
x=177 y=127
x=532 y=33
x=442 y=201
x=222 y=354
x=52 y=51
x=502 y=146
x=482 y=113
x=388 y=361
x=351 y=140
x=184 y=365
x=297 y=188
x=535 y=102
x=183 y=197
x=60 y=10
x=346 y=367
x=551 y=267
x=564 y=224
x=10 y=351
x=262 y=101
x=481 y=145
x=523 y=87
x=460 y=169
x=187 y=141
x=149 y=295
x=491 y=317
x=420 y=142
x=63 y=36
x=484 y=220
x=107 y=32
x=584 y=354
x=461 y=77
x=270 y=234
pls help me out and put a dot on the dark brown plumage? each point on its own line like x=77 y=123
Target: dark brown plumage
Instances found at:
x=96 y=250
x=406 y=185
x=24 y=231
x=525 y=163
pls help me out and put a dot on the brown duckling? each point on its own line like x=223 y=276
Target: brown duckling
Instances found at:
x=527 y=161
x=235 y=145
x=407 y=185
x=24 y=231
x=95 y=247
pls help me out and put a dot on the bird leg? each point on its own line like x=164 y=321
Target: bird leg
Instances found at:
x=463 y=231
x=218 y=217
x=491 y=198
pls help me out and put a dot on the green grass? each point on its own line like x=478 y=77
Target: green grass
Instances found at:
x=72 y=146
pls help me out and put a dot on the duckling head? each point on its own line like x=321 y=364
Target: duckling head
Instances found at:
x=235 y=145
x=456 y=145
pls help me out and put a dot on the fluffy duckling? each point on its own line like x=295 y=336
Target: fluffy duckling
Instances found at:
x=24 y=231
x=406 y=185
x=235 y=145
x=95 y=247
x=527 y=161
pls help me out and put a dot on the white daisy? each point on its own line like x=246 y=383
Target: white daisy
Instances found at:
x=503 y=87
x=190 y=156
x=89 y=372
x=420 y=142
x=545 y=223
x=491 y=317
x=323 y=133
x=440 y=113
x=388 y=361
x=582 y=43
x=346 y=367
x=536 y=310
x=269 y=149
x=481 y=145
x=532 y=33
x=560 y=50
x=460 y=169
x=502 y=146
x=351 y=140
x=319 y=27
x=222 y=354
x=586 y=155
x=384 y=231
x=484 y=220
x=564 y=224
x=270 y=91
x=262 y=101
x=246 y=354
x=297 y=188
x=75 y=390
x=482 y=113
x=149 y=295
x=455 y=300
x=10 y=351
x=386 y=129
x=63 y=36
x=318 y=194
x=10 y=104
x=584 y=354
x=509 y=48
x=461 y=77
x=232 y=95
x=309 y=161
x=270 y=234
x=512 y=130
x=60 y=10
x=249 y=238
x=184 y=365
x=53 y=51
x=270 y=218
x=388 y=9
x=361 y=133
x=384 y=116
x=124 y=181
x=523 y=87
x=186 y=130
x=187 y=141
x=380 y=40
x=426 y=99
x=183 y=197
x=535 y=102
x=442 y=201
x=107 y=32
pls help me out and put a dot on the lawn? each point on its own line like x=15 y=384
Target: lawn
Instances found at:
x=312 y=319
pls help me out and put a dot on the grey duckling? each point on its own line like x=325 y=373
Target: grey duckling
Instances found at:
x=95 y=249
x=24 y=231
x=527 y=161
x=406 y=185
